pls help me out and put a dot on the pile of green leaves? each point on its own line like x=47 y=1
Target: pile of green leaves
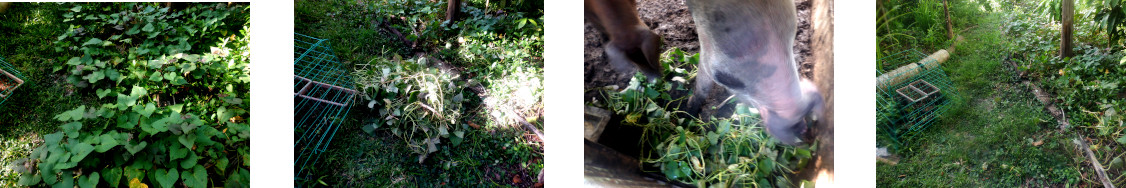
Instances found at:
x=420 y=104
x=173 y=83
x=729 y=151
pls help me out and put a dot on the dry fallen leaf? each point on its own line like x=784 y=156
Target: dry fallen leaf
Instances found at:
x=1038 y=143
x=474 y=125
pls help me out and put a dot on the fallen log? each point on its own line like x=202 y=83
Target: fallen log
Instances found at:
x=905 y=72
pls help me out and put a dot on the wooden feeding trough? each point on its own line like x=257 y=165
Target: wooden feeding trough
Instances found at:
x=10 y=80
x=8 y=83
x=917 y=91
x=322 y=92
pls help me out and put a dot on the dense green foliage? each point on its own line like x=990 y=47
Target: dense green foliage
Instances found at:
x=729 y=151
x=174 y=109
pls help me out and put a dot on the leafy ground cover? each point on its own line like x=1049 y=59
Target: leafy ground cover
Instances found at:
x=442 y=102
x=726 y=151
x=999 y=134
x=138 y=94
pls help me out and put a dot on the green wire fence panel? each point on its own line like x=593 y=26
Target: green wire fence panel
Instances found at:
x=912 y=96
x=321 y=95
x=10 y=79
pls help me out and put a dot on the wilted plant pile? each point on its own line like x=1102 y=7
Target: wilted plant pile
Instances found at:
x=731 y=151
x=419 y=104
x=174 y=109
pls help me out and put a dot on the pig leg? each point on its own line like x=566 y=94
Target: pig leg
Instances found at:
x=704 y=85
x=631 y=45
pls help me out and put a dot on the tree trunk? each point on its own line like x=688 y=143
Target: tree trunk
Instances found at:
x=949 y=25
x=1067 y=11
x=453 y=7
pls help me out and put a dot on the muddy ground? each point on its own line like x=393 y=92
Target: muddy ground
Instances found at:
x=672 y=21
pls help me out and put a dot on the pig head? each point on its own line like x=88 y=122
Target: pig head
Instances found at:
x=746 y=46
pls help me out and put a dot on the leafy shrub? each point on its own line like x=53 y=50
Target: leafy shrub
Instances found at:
x=177 y=110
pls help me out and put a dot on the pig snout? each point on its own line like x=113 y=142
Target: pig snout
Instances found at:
x=788 y=124
x=746 y=47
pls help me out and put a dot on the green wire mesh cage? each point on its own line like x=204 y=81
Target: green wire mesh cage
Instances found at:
x=912 y=93
x=10 y=80
x=322 y=95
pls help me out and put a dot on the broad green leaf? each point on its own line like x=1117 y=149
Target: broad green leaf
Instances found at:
x=166 y=178
x=72 y=128
x=135 y=170
x=239 y=180
x=80 y=151
x=147 y=111
x=75 y=114
x=148 y=27
x=103 y=92
x=157 y=126
x=178 y=108
x=67 y=180
x=47 y=169
x=76 y=9
x=187 y=67
x=28 y=179
x=124 y=101
x=188 y=140
x=177 y=152
x=90 y=181
x=112 y=176
x=170 y=76
x=196 y=178
x=138 y=92
x=221 y=164
x=112 y=74
x=107 y=143
x=179 y=81
x=443 y=132
x=93 y=41
x=74 y=61
x=133 y=149
x=190 y=161
x=128 y=120
x=53 y=138
x=370 y=128
x=155 y=76
x=95 y=76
